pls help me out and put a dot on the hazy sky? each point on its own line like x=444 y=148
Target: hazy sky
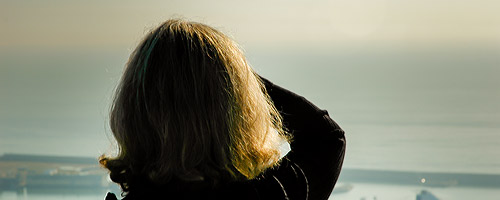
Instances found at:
x=111 y=23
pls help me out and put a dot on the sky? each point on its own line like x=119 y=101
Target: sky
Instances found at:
x=114 y=23
x=377 y=60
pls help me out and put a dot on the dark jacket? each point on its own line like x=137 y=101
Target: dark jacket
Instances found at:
x=309 y=171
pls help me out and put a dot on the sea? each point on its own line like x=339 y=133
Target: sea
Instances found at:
x=360 y=191
x=425 y=109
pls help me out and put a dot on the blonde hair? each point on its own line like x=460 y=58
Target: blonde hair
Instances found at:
x=190 y=107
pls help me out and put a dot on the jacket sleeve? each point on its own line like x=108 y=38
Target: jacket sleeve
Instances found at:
x=318 y=143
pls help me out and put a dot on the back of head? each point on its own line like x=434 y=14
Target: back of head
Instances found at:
x=189 y=107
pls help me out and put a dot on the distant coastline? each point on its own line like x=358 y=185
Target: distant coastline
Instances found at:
x=18 y=171
x=40 y=171
x=429 y=179
x=47 y=159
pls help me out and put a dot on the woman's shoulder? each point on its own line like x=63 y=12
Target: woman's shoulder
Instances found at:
x=287 y=181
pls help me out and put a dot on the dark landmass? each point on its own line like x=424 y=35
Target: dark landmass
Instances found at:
x=48 y=159
x=19 y=171
x=430 y=179
x=36 y=171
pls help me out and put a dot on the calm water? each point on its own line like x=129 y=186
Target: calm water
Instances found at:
x=398 y=192
x=359 y=191
x=402 y=109
x=416 y=110
x=64 y=195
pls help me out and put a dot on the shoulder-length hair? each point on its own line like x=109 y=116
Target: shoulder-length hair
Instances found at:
x=190 y=107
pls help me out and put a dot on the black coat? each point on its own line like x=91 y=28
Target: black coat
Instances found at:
x=309 y=171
